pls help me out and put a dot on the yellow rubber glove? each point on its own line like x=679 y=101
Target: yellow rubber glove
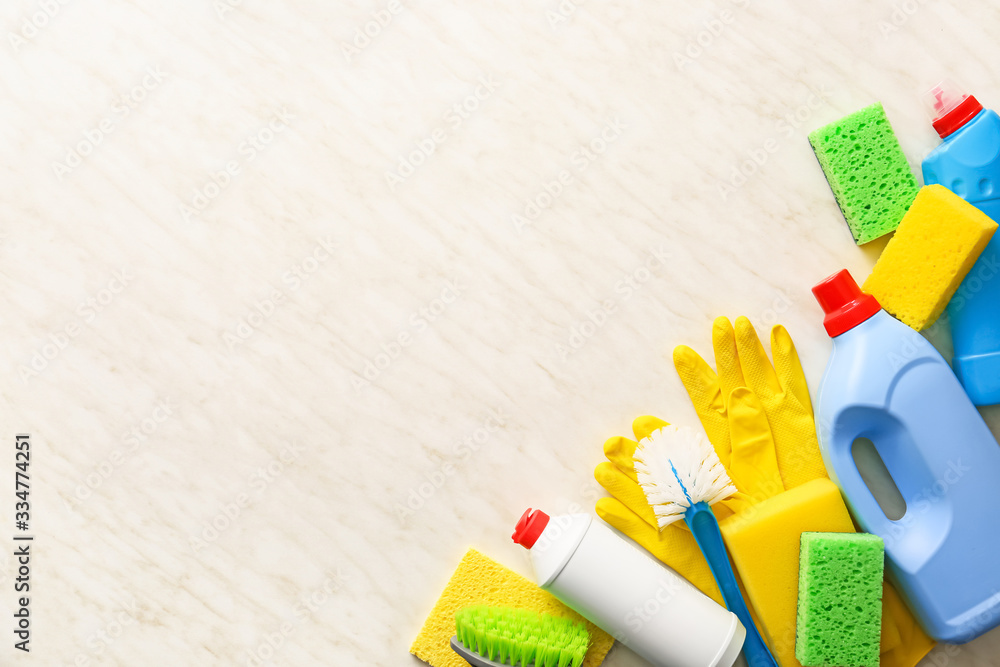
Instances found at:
x=781 y=419
x=781 y=389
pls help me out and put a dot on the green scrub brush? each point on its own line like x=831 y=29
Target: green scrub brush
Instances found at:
x=502 y=637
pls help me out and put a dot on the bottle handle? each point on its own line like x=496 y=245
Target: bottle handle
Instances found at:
x=860 y=499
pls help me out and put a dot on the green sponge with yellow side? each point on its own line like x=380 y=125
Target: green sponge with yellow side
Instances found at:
x=867 y=171
x=938 y=241
x=840 y=600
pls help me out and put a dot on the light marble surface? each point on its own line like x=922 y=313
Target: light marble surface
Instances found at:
x=256 y=277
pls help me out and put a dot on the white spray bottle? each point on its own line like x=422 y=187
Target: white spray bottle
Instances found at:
x=627 y=593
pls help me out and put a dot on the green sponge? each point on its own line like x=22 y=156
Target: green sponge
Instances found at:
x=840 y=600
x=867 y=171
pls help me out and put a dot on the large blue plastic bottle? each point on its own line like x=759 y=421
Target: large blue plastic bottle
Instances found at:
x=968 y=163
x=886 y=383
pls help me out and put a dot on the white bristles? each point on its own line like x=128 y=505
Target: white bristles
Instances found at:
x=677 y=467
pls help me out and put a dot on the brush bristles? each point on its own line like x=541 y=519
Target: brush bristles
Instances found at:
x=522 y=637
x=676 y=468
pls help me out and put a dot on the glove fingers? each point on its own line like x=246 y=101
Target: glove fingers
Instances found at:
x=619 y=451
x=625 y=490
x=757 y=367
x=727 y=358
x=673 y=546
x=734 y=504
x=782 y=390
x=702 y=385
x=787 y=366
x=754 y=468
x=643 y=426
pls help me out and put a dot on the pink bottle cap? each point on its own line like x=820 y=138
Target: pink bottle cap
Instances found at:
x=949 y=107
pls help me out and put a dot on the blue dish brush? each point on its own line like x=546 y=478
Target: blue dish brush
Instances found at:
x=681 y=475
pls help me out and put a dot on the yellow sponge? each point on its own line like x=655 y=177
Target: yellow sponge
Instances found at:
x=481 y=580
x=763 y=542
x=935 y=245
x=764 y=545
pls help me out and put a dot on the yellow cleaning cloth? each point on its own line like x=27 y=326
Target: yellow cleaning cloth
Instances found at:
x=763 y=541
x=937 y=242
x=481 y=580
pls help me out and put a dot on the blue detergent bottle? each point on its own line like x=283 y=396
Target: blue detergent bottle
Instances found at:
x=968 y=163
x=886 y=386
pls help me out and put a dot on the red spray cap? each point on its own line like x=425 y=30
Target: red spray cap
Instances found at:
x=530 y=526
x=949 y=107
x=845 y=305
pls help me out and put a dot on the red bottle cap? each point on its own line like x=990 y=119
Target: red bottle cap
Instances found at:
x=953 y=121
x=845 y=305
x=530 y=526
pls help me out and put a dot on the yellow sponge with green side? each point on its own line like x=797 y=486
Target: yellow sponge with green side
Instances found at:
x=840 y=600
x=764 y=546
x=480 y=580
x=938 y=241
x=867 y=171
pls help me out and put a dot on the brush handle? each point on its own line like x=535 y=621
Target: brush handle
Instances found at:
x=472 y=657
x=705 y=528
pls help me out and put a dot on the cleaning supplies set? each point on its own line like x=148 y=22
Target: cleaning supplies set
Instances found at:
x=887 y=387
x=758 y=417
x=747 y=530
